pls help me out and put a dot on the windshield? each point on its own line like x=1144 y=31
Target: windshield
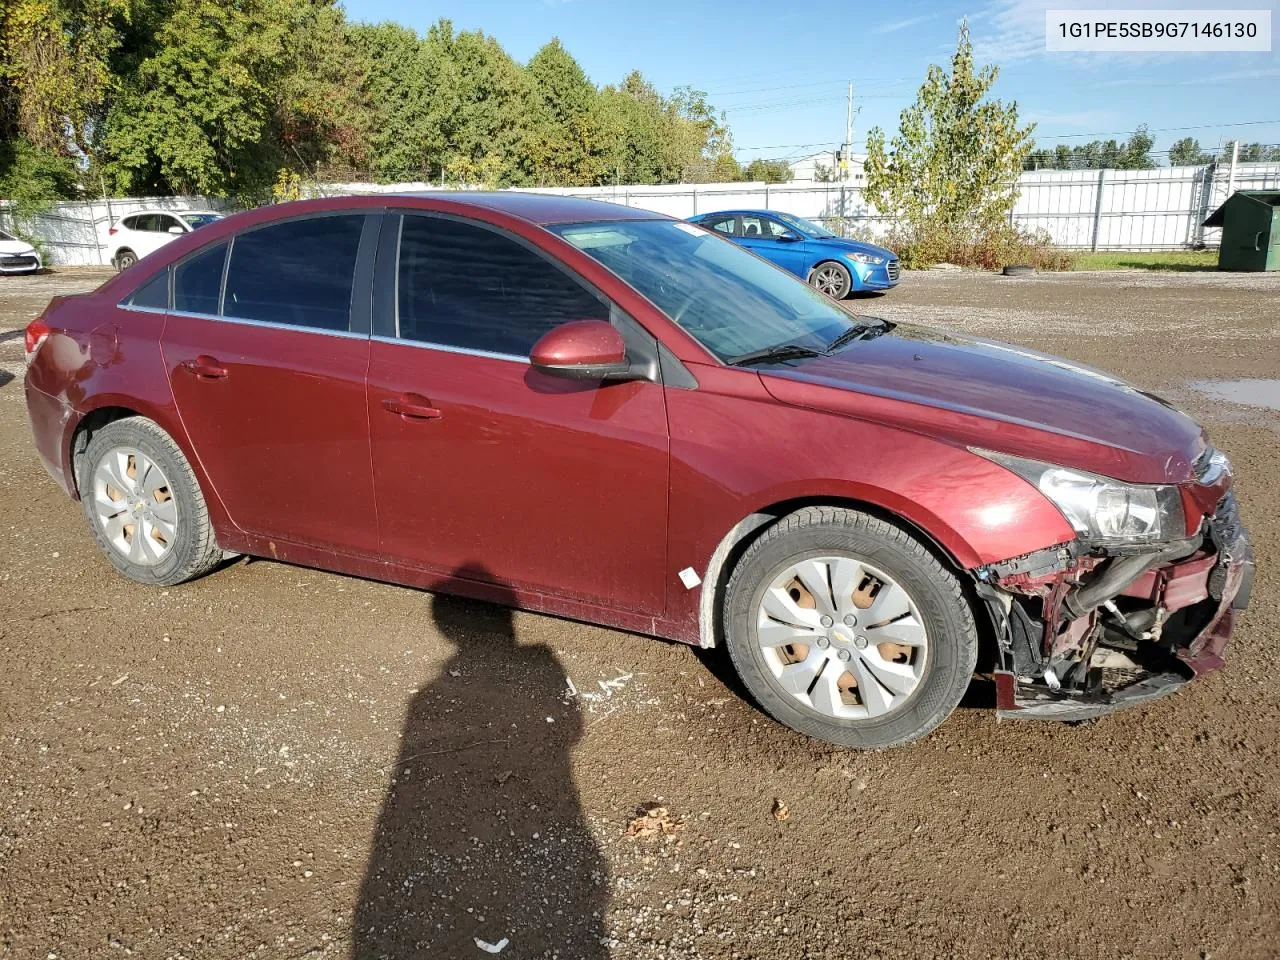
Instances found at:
x=201 y=219
x=807 y=226
x=729 y=300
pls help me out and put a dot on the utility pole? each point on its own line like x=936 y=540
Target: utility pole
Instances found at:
x=1235 y=158
x=845 y=164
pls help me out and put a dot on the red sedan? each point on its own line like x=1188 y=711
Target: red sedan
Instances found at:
x=621 y=418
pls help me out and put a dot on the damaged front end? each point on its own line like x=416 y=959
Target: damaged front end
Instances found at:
x=1090 y=626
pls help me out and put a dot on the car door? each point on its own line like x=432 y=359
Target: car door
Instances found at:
x=144 y=236
x=763 y=235
x=268 y=372
x=165 y=222
x=487 y=468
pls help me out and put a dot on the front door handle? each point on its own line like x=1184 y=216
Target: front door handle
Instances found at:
x=205 y=368
x=411 y=406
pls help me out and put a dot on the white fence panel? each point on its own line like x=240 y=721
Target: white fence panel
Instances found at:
x=74 y=233
x=1159 y=209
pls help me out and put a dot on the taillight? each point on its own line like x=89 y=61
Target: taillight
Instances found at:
x=111 y=231
x=37 y=333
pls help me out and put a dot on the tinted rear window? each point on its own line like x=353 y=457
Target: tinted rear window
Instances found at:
x=299 y=272
x=155 y=293
x=197 y=280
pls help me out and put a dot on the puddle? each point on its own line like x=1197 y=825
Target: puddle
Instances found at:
x=1249 y=392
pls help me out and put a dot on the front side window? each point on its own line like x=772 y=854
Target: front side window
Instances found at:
x=461 y=285
x=197 y=280
x=299 y=272
x=725 y=297
x=164 y=222
x=808 y=227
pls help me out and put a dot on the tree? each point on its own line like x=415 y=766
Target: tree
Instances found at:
x=1186 y=152
x=955 y=160
x=768 y=171
x=1133 y=154
x=56 y=64
x=197 y=116
x=1254 y=153
x=566 y=145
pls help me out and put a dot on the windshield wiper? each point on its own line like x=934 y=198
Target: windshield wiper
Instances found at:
x=777 y=354
x=856 y=332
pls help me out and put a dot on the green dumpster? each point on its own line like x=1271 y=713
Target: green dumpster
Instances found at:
x=1250 y=222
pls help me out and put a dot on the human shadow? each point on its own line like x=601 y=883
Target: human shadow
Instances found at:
x=482 y=836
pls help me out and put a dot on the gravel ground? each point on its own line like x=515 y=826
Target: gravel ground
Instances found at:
x=278 y=762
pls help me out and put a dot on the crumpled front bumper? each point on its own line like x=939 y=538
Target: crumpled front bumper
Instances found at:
x=1223 y=578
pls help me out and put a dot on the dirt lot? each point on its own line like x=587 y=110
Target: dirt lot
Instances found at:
x=278 y=762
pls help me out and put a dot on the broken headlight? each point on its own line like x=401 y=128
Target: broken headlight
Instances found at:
x=1100 y=509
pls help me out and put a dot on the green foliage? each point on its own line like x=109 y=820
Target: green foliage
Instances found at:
x=219 y=96
x=197 y=115
x=1133 y=154
x=1186 y=152
x=33 y=177
x=953 y=166
x=1253 y=153
x=994 y=248
x=769 y=171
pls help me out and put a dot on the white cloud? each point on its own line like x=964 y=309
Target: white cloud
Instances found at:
x=895 y=25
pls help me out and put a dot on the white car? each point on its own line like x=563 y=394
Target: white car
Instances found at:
x=131 y=238
x=17 y=256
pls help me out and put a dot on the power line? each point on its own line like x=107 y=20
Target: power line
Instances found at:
x=1121 y=133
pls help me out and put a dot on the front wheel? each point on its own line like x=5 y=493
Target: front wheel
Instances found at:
x=144 y=505
x=832 y=279
x=846 y=628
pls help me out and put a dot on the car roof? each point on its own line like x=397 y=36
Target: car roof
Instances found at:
x=539 y=208
x=739 y=213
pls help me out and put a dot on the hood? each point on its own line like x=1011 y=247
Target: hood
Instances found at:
x=855 y=246
x=1001 y=397
x=16 y=246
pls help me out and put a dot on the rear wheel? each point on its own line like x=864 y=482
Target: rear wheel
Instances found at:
x=125 y=259
x=832 y=279
x=144 y=505
x=847 y=628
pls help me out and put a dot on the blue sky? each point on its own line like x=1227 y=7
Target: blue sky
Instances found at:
x=780 y=72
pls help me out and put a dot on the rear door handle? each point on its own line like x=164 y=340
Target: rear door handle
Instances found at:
x=411 y=406
x=205 y=368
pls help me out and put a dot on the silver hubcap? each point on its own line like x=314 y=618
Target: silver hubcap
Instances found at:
x=830 y=281
x=135 y=506
x=842 y=637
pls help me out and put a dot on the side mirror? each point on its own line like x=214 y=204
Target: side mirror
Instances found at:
x=581 y=350
x=788 y=237
x=177 y=230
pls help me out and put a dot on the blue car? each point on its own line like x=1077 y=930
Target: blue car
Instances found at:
x=836 y=266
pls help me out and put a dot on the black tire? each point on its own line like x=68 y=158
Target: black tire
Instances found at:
x=196 y=551
x=936 y=591
x=818 y=279
x=125 y=259
x=1019 y=270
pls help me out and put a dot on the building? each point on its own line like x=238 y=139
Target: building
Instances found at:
x=807 y=169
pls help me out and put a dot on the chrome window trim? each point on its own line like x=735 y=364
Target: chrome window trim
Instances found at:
x=446 y=348
x=267 y=324
x=134 y=309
